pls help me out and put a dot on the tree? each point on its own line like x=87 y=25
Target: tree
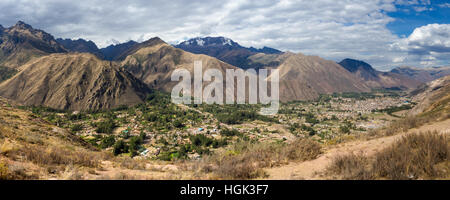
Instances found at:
x=120 y=147
x=107 y=142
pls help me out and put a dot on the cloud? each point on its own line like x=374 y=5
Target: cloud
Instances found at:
x=328 y=28
x=427 y=44
x=444 y=5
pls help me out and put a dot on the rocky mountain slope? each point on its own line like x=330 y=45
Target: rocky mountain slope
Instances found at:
x=21 y=43
x=377 y=79
x=153 y=62
x=225 y=50
x=433 y=97
x=77 y=81
x=305 y=77
x=113 y=52
x=422 y=74
x=81 y=46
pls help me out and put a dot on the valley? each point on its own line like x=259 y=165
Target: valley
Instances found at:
x=69 y=110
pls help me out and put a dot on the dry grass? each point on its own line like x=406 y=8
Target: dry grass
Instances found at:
x=59 y=156
x=247 y=160
x=351 y=166
x=415 y=156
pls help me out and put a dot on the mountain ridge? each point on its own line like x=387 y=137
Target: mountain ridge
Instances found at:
x=21 y=43
x=225 y=50
x=74 y=81
x=376 y=79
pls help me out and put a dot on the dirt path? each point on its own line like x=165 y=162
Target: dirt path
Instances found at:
x=312 y=169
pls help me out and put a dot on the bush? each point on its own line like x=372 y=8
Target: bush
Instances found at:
x=302 y=149
x=120 y=147
x=106 y=126
x=248 y=159
x=4 y=171
x=228 y=132
x=134 y=145
x=76 y=128
x=351 y=167
x=107 y=142
x=178 y=124
x=415 y=156
x=151 y=117
x=201 y=140
x=58 y=156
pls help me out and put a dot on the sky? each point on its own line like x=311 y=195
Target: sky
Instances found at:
x=384 y=33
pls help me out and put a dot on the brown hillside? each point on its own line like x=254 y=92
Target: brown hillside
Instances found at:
x=377 y=79
x=155 y=60
x=305 y=77
x=22 y=43
x=433 y=97
x=73 y=81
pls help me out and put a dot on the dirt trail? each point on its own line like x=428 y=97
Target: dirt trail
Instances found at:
x=312 y=169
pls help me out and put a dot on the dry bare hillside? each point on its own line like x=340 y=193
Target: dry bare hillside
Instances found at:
x=154 y=61
x=22 y=43
x=433 y=98
x=305 y=77
x=377 y=79
x=78 y=81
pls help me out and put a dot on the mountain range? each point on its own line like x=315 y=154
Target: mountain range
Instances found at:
x=377 y=79
x=75 y=81
x=225 y=50
x=77 y=75
x=22 y=43
x=422 y=74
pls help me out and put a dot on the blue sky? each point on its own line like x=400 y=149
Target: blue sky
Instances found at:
x=384 y=33
x=410 y=16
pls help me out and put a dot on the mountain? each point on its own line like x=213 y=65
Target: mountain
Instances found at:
x=301 y=77
x=6 y=73
x=22 y=43
x=306 y=77
x=81 y=46
x=422 y=74
x=225 y=50
x=433 y=98
x=75 y=81
x=153 y=62
x=377 y=79
x=112 y=52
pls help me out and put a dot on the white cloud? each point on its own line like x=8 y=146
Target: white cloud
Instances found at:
x=432 y=38
x=328 y=28
x=444 y=5
x=428 y=44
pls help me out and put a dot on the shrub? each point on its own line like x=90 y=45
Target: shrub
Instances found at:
x=415 y=156
x=228 y=132
x=4 y=171
x=351 y=166
x=178 y=124
x=302 y=150
x=107 y=142
x=76 y=128
x=151 y=117
x=248 y=159
x=201 y=140
x=106 y=126
x=120 y=147
x=58 y=156
x=134 y=145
